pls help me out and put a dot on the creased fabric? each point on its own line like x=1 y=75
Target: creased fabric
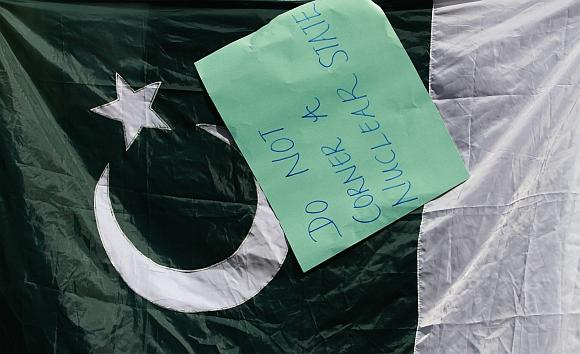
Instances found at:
x=183 y=198
x=499 y=256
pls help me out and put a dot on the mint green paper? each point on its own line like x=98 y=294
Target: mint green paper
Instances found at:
x=335 y=123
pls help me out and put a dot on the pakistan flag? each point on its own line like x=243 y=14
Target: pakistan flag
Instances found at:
x=129 y=223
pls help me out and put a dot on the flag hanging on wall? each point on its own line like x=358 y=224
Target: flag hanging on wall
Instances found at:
x=496 y=259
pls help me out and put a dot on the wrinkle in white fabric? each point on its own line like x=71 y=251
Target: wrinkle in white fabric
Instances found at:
x=499 y=256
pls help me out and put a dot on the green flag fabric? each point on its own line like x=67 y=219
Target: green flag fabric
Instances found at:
x=184 y=199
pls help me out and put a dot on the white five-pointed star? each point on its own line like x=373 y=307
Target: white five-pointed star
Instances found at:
x=133 y=109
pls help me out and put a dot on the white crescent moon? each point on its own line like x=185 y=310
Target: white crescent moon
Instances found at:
x=223 y=285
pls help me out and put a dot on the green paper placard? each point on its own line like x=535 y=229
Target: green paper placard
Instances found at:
x=329 y=112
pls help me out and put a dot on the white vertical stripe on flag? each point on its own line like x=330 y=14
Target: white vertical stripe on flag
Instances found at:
x=499 y=256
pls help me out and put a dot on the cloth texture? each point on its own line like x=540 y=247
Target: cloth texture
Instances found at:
x=499 y=256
